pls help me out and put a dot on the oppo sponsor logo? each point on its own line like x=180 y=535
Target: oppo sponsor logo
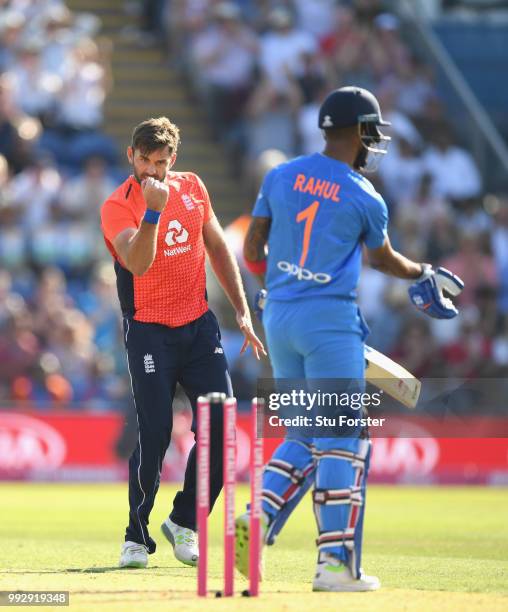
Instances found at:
x=28 y=443
x=303 y=273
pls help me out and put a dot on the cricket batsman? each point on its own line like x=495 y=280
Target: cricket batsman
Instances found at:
x=315 y=214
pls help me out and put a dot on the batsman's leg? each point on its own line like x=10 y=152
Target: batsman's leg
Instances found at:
x=342 y=462
x=290 y=472
x=339 y=506
x=287 y=477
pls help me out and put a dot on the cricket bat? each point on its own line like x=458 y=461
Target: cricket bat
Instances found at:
x=392 y=378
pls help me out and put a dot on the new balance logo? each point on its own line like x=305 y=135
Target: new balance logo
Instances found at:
x=218 y=350
x=149 y=364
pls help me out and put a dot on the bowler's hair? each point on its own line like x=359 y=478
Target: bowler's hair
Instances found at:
x=154 y=134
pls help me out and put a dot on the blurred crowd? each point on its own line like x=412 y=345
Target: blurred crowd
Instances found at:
x=260 y=69
x=54 y=77
x=59 y=327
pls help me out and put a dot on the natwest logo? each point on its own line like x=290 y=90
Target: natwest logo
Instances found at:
x=303 y=273
x=28 y=443
x=176 y=233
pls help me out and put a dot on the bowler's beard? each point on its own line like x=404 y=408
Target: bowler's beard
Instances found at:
x=140 y=178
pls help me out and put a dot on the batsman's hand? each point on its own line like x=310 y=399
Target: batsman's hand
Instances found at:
x=155 y=193
x=259 y=303
x=245 y=324
x=427 y=294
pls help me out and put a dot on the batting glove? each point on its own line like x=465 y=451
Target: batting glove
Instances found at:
x=259 y=303
x=427 y=293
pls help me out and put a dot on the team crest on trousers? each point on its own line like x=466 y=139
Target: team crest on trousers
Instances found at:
x=149 y=364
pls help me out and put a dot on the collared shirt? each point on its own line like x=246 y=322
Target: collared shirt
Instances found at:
x=321 y=212
x=173 y=291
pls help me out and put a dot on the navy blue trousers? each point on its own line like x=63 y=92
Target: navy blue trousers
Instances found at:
x=159 y=357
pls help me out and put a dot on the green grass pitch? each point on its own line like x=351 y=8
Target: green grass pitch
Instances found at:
x=433 y=549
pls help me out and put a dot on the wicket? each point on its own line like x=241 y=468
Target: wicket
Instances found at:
x=215 y=401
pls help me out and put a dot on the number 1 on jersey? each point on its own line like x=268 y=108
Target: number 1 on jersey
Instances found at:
x=308 y=214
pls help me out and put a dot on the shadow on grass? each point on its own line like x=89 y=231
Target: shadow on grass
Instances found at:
x=115 y=568
x=97 y=570
x=87 y=570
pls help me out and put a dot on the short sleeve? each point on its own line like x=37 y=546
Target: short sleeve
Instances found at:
x=209 y=213
x=115 y=218
x=376 y=220
x=262 y=205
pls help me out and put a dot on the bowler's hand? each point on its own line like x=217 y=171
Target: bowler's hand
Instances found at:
x=155 y=194
x=245 y=325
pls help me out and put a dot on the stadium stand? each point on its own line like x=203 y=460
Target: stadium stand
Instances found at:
x=239 y=78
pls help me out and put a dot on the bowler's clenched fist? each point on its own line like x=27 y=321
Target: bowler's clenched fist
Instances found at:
x=155 y=193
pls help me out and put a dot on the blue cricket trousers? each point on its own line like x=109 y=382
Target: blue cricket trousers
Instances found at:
x=158 y=358
x=319 y=338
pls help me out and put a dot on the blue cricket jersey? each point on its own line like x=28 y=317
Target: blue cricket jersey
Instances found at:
x=321 y=212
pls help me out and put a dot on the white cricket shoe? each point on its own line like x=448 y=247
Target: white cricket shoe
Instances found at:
x=333 y=575
x=133 y=555
x=242 y=542
x=183 y=540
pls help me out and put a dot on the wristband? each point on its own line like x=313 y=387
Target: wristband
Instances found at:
x=256 y=267
x=151 y=216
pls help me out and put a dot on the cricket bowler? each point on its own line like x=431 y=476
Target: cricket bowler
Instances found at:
x=158 y=226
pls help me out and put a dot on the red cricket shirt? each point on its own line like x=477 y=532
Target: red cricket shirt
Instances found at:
x=173 y=291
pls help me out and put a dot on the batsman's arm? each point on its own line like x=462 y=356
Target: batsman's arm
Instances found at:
x=254 y=248
x=386 y=259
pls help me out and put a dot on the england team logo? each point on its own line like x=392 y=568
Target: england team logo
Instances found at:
x=149 y=364
x=187 y=201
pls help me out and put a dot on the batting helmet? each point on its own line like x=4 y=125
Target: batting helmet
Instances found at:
x=350 y=106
